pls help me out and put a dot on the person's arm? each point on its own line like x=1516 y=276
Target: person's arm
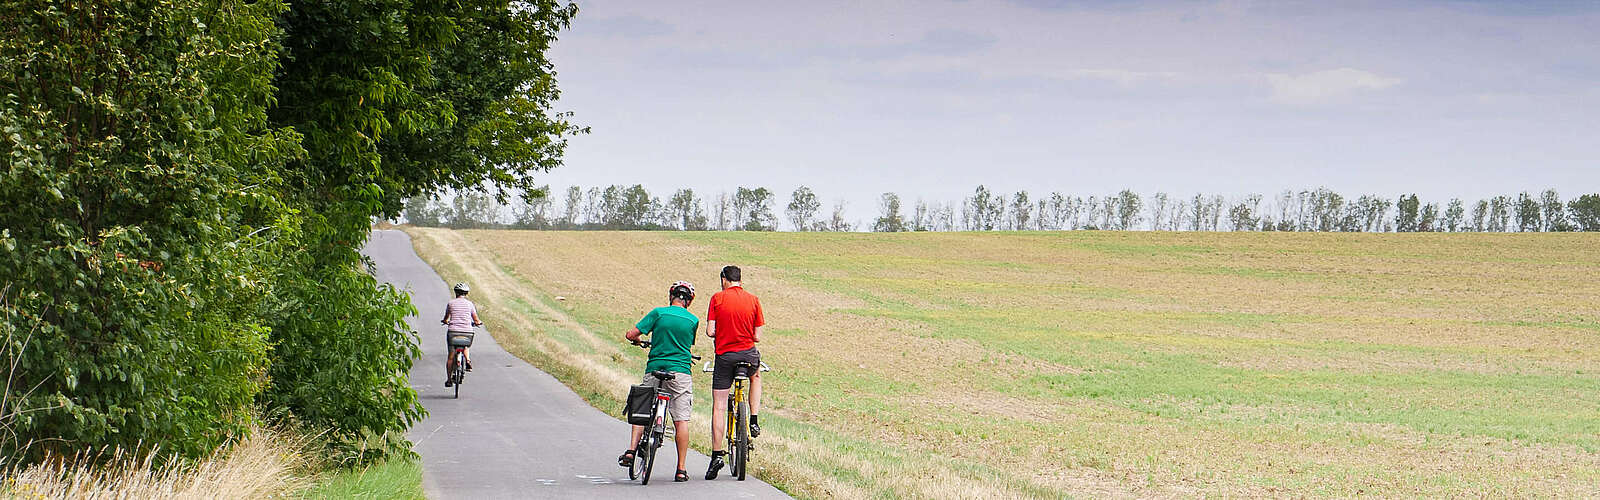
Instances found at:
x=446 y=319
x=475 y=320
x=711 y=317
x=761 y=322
x=633 y=334
x=648 y=323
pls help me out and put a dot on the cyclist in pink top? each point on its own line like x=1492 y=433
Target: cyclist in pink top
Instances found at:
x=460 y=316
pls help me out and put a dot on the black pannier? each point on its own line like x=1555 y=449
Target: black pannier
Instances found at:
x=640 y=399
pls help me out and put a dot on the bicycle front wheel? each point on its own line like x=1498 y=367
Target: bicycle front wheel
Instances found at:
x=741 y=445
x=648 y=455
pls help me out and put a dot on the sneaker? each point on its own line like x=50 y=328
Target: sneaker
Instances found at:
x=755 y=430
x=447 y=383
x=469 y=366
x=716 y=465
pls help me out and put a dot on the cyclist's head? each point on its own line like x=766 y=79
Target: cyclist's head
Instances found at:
x=731 y=274
x=681 y=291
x=462 y=289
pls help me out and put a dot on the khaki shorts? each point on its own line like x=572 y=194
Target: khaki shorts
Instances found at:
x=681 y=389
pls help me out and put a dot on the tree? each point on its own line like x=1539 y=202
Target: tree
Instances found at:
x=889 y=221
x=1406 y=220
x=134 y=263
x=533 y=212
x=1586 y=212
x=1480 y=216
x=1500 y=213
x=1199 y=215
x=471 y=209
x=574 y=202
x=1021 y=211
x=1454 y=215
x=837 y=222
x=753 y=209
x=803 y=206
x=983 y=210
x=1128 y=207
x=1242 y=215
x=683 y=210
x=1554 y=212
x=1428 y=221
x=1527 y=209
x=722 y=210
x=1158 y=211
x=422 y=211
x=921 y=217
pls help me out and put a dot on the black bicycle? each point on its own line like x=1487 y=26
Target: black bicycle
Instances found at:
x=457 y=364
x=657 y=432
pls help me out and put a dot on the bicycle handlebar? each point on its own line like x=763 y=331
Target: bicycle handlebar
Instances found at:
x=645 y=344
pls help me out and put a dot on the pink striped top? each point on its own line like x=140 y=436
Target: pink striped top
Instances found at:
x=458 y=314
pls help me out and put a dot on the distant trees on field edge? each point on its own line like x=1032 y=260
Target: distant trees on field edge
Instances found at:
x=753 y=209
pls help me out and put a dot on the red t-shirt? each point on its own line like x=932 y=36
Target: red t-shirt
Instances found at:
x=737 y=314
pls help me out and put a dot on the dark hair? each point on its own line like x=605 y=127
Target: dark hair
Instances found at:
x=731 y=273
x=460 y=293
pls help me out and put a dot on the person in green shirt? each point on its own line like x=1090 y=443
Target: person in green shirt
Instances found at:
x=672 y=330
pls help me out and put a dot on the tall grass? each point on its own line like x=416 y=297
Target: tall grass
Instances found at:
x=267 y=464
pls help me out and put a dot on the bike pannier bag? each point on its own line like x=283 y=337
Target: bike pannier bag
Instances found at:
x=640 y=399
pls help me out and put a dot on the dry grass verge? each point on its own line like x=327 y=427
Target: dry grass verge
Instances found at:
x=267 y=464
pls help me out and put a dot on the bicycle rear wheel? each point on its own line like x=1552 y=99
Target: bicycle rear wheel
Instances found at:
x=459 y=372
x=741 y=445
x=638 y=459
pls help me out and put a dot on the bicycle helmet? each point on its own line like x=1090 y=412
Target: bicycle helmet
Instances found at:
x=681 y=289
x=462 y=288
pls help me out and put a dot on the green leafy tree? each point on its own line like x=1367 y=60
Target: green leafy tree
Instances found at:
x=1454 y=215
x=1021 y=211
x=1585 y=212
x=1405 y=220
x=753 y=209
x=1528 y=215
x=1554 y=212
x=133 y=263
x=890 y=220
x=1428 y=220
x=1242 y=215
x=803 y=206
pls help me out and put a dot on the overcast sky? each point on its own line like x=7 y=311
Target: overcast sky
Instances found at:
x=929 y=99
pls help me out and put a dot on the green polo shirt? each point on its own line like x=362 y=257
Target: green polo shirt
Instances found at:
x=671 y=331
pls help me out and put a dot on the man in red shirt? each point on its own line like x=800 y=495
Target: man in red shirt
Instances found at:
x=733 y=321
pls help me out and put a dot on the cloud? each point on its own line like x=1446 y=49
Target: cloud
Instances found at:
x=1321 y=86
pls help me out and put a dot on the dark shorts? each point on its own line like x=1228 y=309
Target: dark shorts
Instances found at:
x=722 y=375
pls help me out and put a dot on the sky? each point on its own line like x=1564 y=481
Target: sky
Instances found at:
x=1460 y=98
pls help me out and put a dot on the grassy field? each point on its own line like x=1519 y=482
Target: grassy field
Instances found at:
x=1098 y=364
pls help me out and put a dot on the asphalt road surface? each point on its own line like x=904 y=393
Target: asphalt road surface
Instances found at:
x=516 y=432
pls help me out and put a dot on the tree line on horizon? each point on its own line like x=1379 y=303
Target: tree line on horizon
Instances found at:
x=618 y=207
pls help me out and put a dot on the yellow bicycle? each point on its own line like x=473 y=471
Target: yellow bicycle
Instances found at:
x=738 y=432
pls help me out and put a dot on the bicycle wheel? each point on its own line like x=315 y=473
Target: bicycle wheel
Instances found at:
x=648 y=455
x=638 y=460
x=458 y=373
x=741 y=444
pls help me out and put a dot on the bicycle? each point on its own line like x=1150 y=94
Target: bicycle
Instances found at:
x=456 y=365
x=738 y=432
x=644 y=451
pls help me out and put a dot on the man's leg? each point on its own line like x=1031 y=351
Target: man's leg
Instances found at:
x=682 y=430
x=634 y=439
x=719 y=417
x=755 y=393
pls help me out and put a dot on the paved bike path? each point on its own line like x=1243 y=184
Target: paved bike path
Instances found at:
x=517 y=432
